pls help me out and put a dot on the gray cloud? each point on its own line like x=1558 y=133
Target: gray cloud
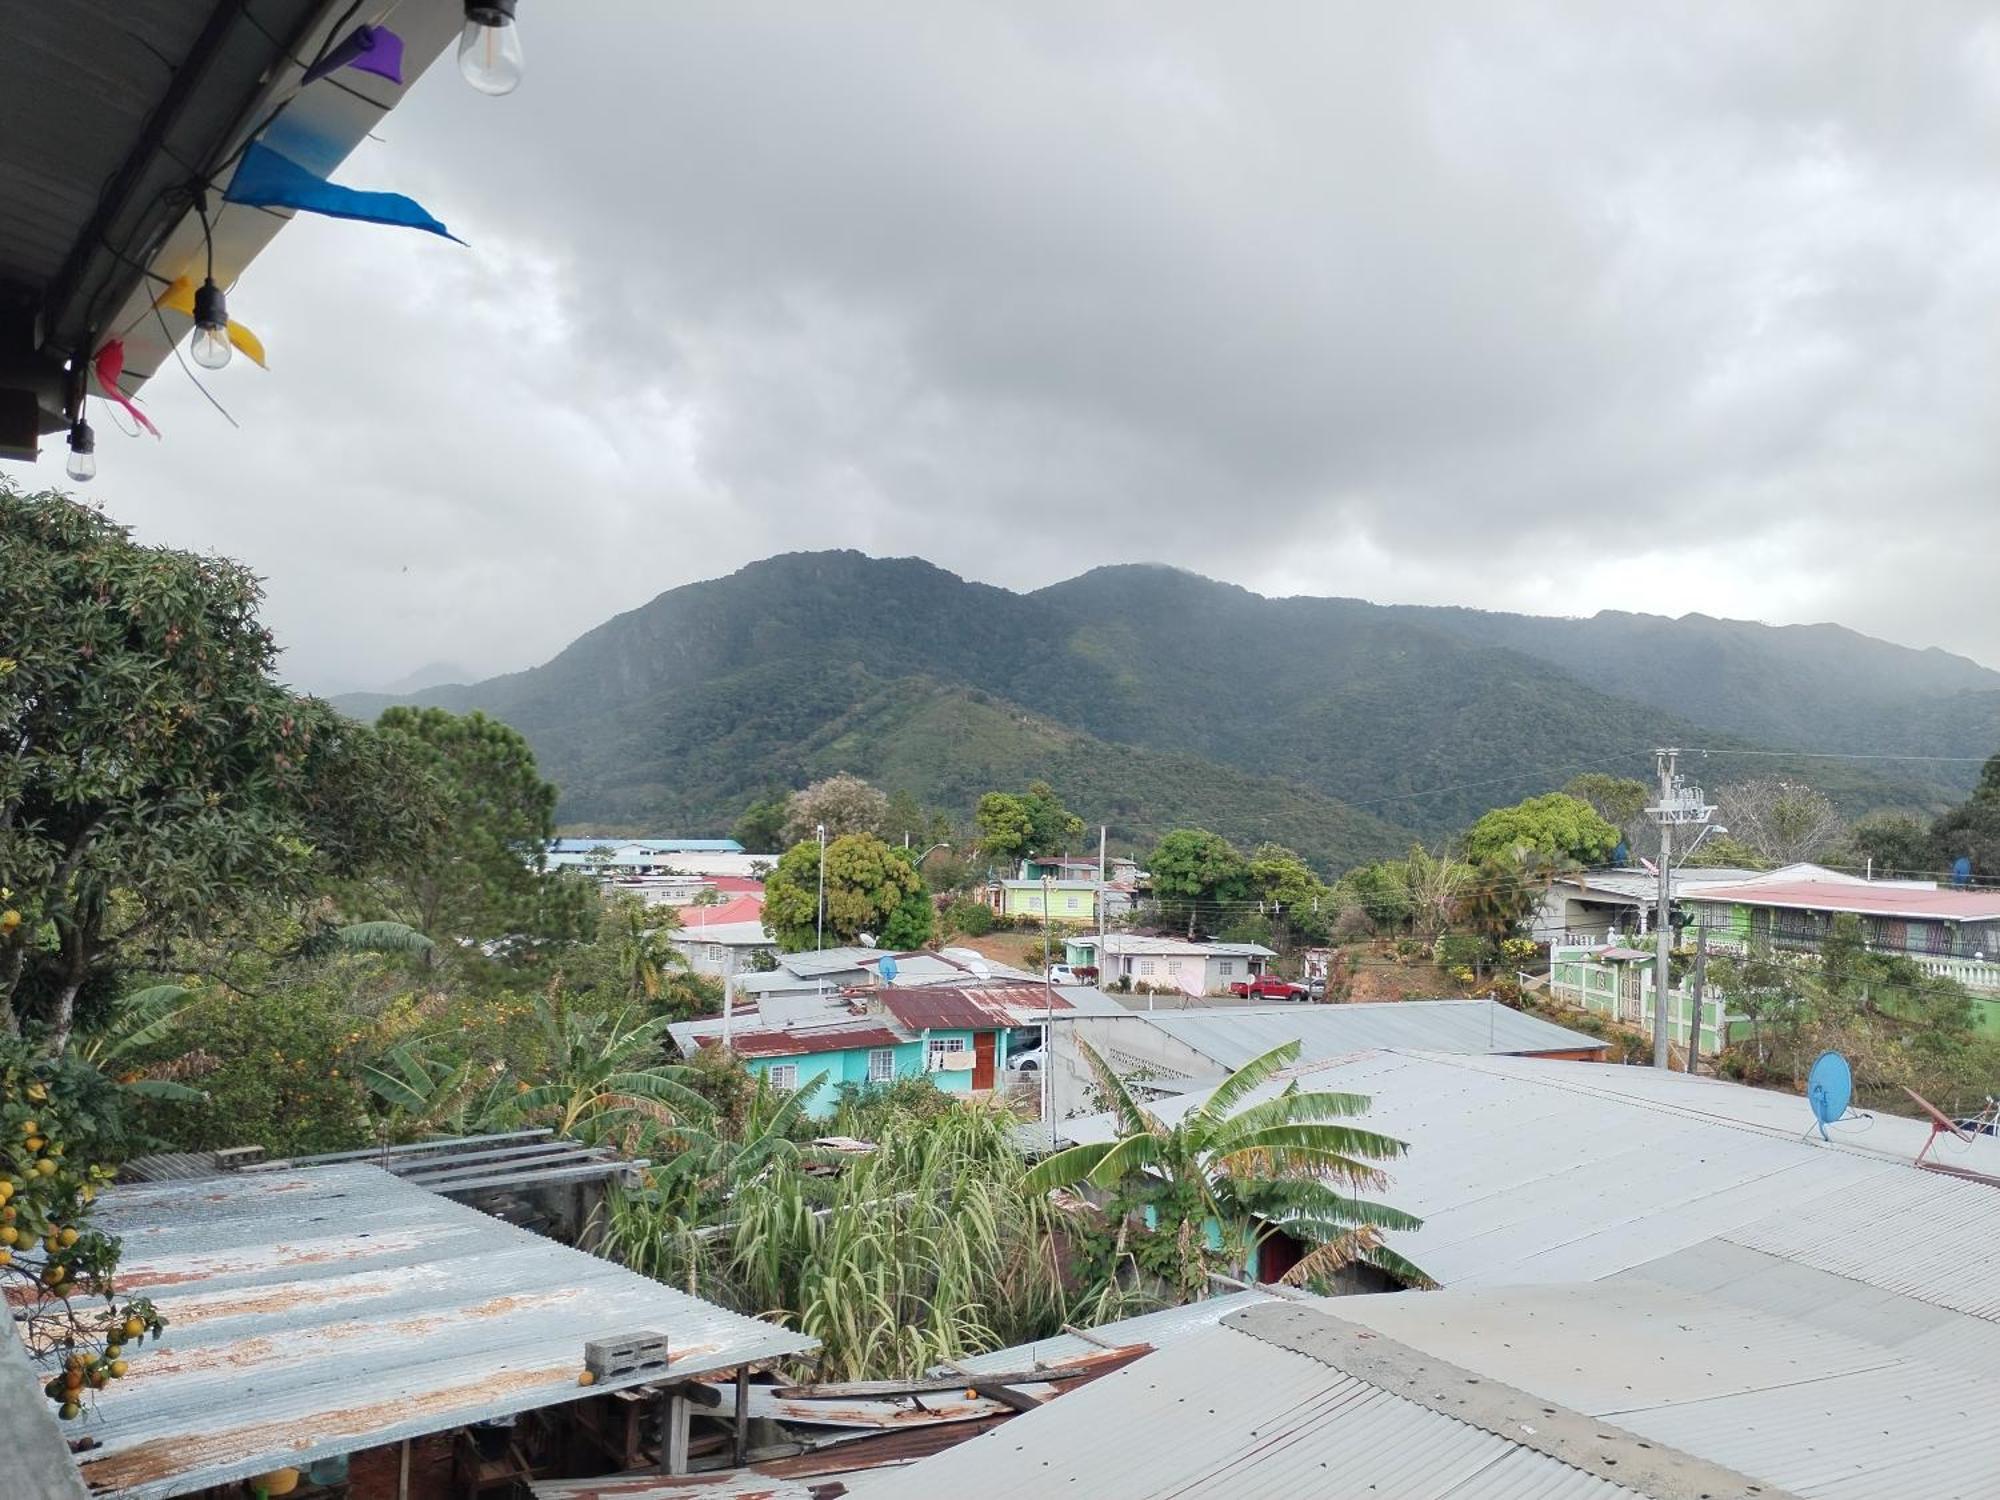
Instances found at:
x=1524 y=306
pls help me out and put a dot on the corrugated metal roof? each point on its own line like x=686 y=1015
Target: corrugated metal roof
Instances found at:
x=1219 y=1413
x=1233 y=1035
x=1869 y=900
x=739 y=1484
x=811 y=1041
x=1528 y=1170
x=320 y=1311
x=1811 y=1409
x=1137 y=943
x=1167 y=1326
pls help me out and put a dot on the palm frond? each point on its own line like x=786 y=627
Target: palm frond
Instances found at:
x=1132 y=1115
x=381 y=937
x=1251 y=1076
x=1315 y=1135
x=165 y=1088
x=1068 y=1168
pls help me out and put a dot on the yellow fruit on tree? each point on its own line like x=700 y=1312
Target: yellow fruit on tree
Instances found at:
x=69 y=1237
x=71 y=1411
x=117 y=1368
x=29 y=1127
x=54 y=1275
x=133 y=1328
x=37 y=1093
x=6 y=1256
x=36 y=1142
x=46 y=1167
x=9 y=1235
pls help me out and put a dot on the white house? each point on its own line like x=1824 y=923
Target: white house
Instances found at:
x=1167 y=963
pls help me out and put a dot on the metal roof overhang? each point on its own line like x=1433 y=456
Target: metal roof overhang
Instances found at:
x=115 y=113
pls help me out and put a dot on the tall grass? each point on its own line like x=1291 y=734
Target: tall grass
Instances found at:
x=930 y=1248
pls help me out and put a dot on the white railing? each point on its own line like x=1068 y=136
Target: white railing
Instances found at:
x=1973 y=973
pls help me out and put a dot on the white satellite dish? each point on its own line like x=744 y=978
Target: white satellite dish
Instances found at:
x=867 y=939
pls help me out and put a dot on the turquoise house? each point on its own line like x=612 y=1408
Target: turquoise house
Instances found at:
x=956 y=1037
x=863 y=1053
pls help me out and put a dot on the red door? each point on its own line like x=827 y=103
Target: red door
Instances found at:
x=982 y=1059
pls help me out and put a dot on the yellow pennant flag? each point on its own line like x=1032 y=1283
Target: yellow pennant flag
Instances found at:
x=180 y=298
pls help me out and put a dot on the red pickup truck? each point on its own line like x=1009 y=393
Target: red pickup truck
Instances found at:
x=1268 y=987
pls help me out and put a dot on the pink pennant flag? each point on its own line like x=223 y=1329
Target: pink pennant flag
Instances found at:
x=110 y=365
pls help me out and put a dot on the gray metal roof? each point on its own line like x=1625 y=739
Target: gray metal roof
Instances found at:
x=737 y=1484
x=319 y=1311
x=1167 y=1326
x=1528 y=1170
x=1221 y=1413
x=1234 y=1035
x=1820 y=1411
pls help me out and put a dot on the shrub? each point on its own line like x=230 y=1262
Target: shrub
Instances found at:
x=275 y=1069
x=973 y=918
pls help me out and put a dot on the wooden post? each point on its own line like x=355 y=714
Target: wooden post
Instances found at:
x=403 y=1473
x=677 y=1434
x=740 y=1449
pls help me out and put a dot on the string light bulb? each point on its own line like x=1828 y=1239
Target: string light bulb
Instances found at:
x=82 y=465
x=211 y=348
x=489 y=49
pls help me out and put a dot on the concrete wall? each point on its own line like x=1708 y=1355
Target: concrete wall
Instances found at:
x=1129 y=1044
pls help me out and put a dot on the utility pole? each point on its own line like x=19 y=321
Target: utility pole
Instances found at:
x=1048 y=897
x=1678 y=805
x=1048 y=1019
x=819 y=912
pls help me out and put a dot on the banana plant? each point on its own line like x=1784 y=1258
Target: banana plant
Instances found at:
x=427 y=1093
x=1227 y=1174
x=136 y=1022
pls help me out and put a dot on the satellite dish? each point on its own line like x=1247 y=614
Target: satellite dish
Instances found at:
x=887 y=968
x=1829 y=1090
x=867 y=939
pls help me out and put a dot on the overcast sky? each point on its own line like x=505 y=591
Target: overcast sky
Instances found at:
x=1539 y=307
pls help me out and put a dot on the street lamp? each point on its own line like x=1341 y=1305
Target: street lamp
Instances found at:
x=941 y=844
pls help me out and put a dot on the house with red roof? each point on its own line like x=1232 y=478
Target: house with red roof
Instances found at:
x=959 y=1025
x=1950 y=931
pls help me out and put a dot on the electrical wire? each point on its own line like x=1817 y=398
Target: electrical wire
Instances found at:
x=174 y=345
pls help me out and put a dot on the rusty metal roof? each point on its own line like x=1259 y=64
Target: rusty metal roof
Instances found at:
x=807 y=1042
x=324 y=1310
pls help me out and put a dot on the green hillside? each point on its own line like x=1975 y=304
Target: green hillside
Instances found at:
x=1152 y=697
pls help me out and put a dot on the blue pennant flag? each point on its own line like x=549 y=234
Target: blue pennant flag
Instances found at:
x=267 y=180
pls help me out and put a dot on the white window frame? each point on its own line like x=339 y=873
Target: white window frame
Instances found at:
x=1072 y=902
x=942 y=1047
x=881 y=1064
x=1226 y=967
x=783 y=1077
x=1145 y=968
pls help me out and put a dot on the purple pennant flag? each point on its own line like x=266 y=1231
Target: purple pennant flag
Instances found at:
x=372 y=49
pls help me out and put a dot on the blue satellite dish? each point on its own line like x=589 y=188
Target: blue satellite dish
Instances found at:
x=1829 y=1089
x=887 y=968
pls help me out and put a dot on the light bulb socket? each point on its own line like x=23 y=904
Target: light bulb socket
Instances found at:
x=490 y=12
x=81 y=438
x=211 y=308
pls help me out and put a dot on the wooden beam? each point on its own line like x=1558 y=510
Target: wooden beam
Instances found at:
x=740 y=1447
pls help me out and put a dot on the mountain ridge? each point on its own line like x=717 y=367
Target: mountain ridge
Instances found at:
x=1369 y=723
